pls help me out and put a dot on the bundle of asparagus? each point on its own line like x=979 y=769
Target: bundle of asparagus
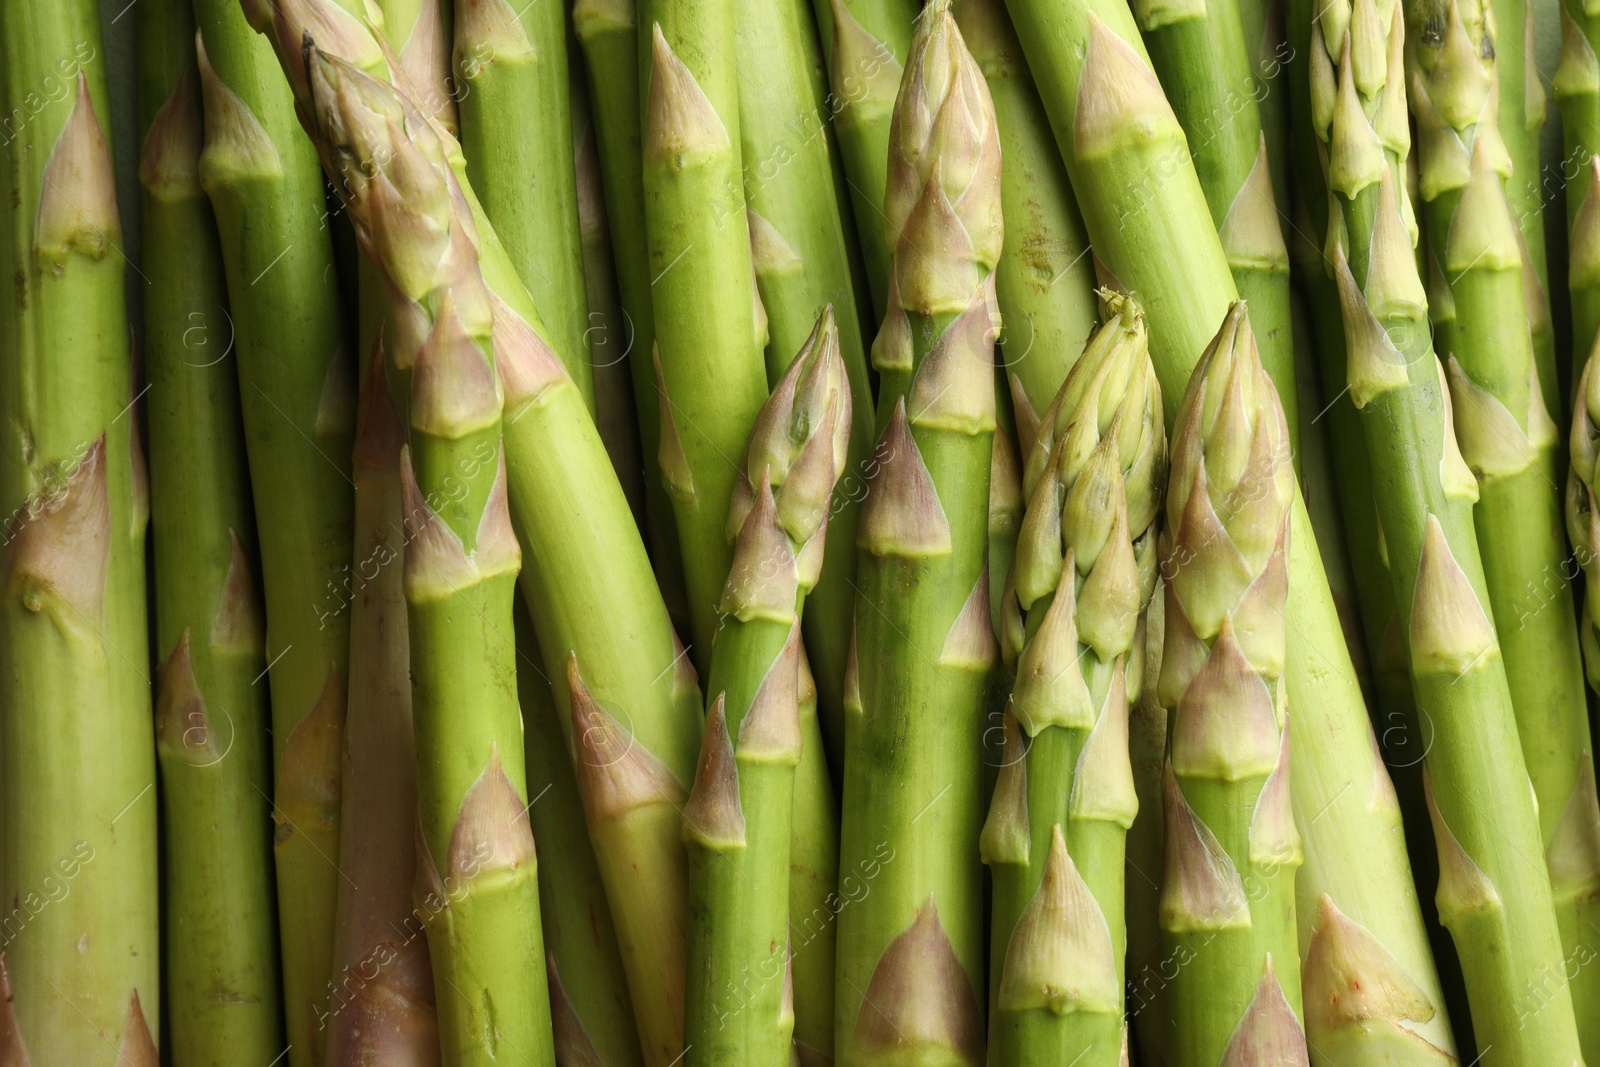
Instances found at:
x=1020 y=742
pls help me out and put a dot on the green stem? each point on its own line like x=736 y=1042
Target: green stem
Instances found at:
x=297 y=385
x=511 y=68
x=211 y=719
x=419 y=33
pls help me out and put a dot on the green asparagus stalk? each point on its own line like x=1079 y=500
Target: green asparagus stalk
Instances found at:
x=478 y=880
x=1496 y=905
x=1508 y=440
x=802 y=265
x=1045 y=278
x=1584 y=269
x=589 y=1003
x=78 y=849
x=910 y=972
x=709 y=371
x=1200 y=54
x=1231 y=847
x=1570 y=856
x=608 y=33
x=631 y=705
x=616 y=414
x=1148 y=970
x=1054 y=839
x=865 y=44
x=296 y=383
x=1113 y=126
x=813 y=883
x=516 y=131
x=211 y=717
x=737 y=823
x=1266 y=42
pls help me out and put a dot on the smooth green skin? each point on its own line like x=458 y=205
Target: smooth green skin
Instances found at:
x=216 y=779
x=615 y=412
x=1153 y=231
x=78 y=859
x=711 y=367
x=813 y=884
x=569 y=513
x=788 y=182
x=608 y=35
x=1097 y=848
x=516 y=132
x=1525 y=189
x=738 y=891
x=1206 y=70
x=278 y=254
x=1521 y=535
x=913 y=804
x=861 y=123
x=1475 y=763
x=1045 y=277
x=578 y=933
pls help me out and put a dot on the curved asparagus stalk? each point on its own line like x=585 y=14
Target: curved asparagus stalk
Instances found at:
x=78 y=848
x=1231 y=847
x=1572 y=874
x=1054 y=839
x=1045 y=277
x=296 y=384
x=865 y=44
x=211 y=718
x=1199 y=52
x=631 y=705
x=1497 y=906
x=710 y=377
x=910 y=966
x=479 y=890
x=737 y=823
x=1511 y=445
x=510 y=63
x=607 y=30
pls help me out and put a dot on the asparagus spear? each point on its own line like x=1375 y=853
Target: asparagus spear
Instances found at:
x=813 y=882
x=1511 y=445
x=1497 y=906
x=802 y=264
x=737 y=823
x=590 y=1008
x=1231 y=847
x=1113 y=125
x=616 y=414
x=865 y=44
x=608 y=32
x=296 y=384
x=1572 y=871
x=1045 y=278
x=1148 y=970
x=631 y=706
x=1584 y=273
x=1266 y=42
x=709 y=372
x=1199 y=52
x=478 y=880
x=78 y=849
x=511 y=66
x=211 y=718
x=382 y=1004
x=910 y=972
x=1054 y=839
